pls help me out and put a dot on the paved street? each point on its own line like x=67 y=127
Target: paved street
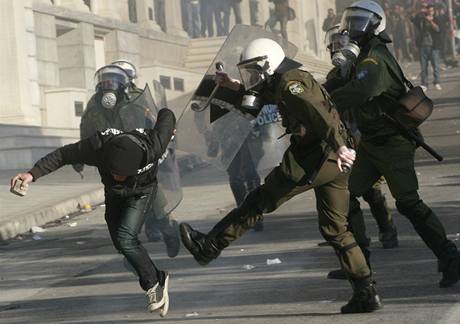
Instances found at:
x=74 y=275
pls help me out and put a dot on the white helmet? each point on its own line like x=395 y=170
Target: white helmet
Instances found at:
x=128 y=66
x=364 y=16
x=259 y=60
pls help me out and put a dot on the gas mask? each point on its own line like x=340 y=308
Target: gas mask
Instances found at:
x=111 y=82
x=344 y=51
x=109 y=100
x=251 y=101
x=254 y=78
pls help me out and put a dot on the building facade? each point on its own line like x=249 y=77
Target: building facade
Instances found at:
x=52 y=49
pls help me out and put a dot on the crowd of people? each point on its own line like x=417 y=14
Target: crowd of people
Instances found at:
x=209 y=18
x=420 y=31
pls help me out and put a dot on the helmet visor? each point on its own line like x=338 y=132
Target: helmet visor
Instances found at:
x=338 y=41
x=358 y=21
x=110 y=77
x=328 y=39
x=251 y=72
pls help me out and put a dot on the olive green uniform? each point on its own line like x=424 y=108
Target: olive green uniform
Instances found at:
x=98 y=118
x=373 y=196
x=372 y=90
x=302 y=101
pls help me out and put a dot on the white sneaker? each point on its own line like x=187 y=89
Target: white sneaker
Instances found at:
x=158 y=298
x=438 y=86
x=424 y=88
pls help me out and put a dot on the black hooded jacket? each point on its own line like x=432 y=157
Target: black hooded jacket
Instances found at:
x=90 y=151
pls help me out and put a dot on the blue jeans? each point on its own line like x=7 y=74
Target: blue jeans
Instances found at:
x=125 y=217
x=428 y=53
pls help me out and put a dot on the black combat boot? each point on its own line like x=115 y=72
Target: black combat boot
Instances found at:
x=364 y=299
x=171 y=238
x=450 y=267
x=203 y=249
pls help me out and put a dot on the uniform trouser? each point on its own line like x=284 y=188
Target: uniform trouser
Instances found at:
x=285 y=182
x=125 y=217
x=395 y=161
x=242 y=174
x=379 y=209
x=157 y=220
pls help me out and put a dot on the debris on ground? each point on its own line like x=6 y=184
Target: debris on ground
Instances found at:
x=273 y=261
x=194 y=314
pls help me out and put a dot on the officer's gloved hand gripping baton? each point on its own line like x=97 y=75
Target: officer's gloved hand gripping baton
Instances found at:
x=197 y=107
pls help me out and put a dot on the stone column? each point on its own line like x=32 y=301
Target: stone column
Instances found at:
x=173 y=18
x=122 y=45
x=76 y=56
x=47 y=58
x=72 y=4
x=295 y=27
x=142 y=11
x=117 y=10
x=245 y=14
x=19 y=91
x=264 y=12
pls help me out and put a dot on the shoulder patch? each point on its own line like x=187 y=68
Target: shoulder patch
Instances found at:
x=361 y=74
x=295 y=88
x=370 y=60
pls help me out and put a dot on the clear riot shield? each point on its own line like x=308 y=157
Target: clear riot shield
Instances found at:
x=214 y=134
x=267 y=142
x=159 y=94
x=142 y=112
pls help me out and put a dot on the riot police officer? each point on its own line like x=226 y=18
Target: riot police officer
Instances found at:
x=313 y=161
x=388 y=236
x=374 y=86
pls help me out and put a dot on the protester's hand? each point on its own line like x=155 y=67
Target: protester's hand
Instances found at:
x=344 y=156
x=26 y=178
x=225 y=81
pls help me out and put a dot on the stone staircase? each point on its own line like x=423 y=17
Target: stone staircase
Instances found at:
x=21 y=146
x=202 y=51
